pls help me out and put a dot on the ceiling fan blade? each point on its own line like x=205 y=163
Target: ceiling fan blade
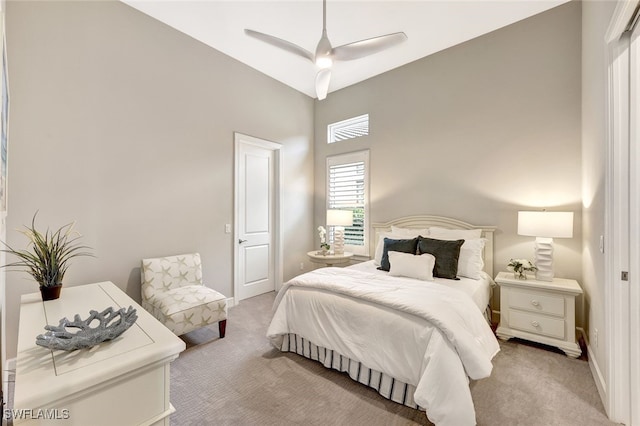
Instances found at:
x=362 y=48
x=280 y=43
x=322 y=83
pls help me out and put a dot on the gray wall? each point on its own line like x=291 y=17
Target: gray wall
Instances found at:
x=476 y=132
x=595 y=20
x=126 y=126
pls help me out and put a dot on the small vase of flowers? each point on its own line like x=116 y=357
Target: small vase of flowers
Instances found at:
x=520 y=268
x=322 y=233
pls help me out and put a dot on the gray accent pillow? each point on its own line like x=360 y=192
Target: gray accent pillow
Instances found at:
x=446 y=254
x=403 y=246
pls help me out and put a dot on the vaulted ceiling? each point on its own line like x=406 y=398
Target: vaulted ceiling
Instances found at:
x=430 y=26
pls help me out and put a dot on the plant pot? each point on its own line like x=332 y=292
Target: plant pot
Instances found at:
x=51 y=292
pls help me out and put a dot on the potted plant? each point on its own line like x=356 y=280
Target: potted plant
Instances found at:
x=47 y=256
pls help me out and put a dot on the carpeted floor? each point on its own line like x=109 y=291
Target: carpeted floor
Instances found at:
x=243 y=380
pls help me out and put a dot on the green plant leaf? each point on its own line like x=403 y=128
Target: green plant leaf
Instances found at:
x=47 y=255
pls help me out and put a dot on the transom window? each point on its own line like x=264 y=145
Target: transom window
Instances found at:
x=348 y=129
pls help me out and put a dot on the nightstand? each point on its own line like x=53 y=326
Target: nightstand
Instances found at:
x=539 y=311
x=329 y=259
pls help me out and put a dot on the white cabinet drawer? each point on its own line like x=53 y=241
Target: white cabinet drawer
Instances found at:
x=537 y=302
x=537 y=324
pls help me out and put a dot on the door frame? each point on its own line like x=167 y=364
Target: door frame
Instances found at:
x=240 y=139
x=634 y=231
x=621 y=297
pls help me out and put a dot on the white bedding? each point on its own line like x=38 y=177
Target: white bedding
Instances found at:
x=478 y=290
x=421 y=333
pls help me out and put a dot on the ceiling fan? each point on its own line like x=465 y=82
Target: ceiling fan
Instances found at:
x=325 y=54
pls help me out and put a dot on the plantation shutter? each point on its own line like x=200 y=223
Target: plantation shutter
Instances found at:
x=346 y=191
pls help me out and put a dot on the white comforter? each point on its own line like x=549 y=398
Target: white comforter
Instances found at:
x=421 y=333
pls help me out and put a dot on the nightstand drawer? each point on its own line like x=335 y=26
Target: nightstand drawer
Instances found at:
x=537 y=324
x=537 y=302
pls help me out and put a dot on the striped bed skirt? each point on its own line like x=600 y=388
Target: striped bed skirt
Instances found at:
x=386 y=385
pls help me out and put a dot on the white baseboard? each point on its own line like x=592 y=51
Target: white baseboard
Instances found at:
x=598 y=378
x=231 y=302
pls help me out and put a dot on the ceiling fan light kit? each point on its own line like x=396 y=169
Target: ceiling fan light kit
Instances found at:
x=326 y=55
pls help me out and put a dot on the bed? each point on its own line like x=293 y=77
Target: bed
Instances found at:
x=416 y=340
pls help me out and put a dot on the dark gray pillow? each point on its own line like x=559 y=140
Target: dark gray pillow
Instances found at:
x=446 y=254
x=403 y=246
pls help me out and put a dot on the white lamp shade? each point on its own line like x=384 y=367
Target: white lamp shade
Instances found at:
x=339 y=217
x=546 y=224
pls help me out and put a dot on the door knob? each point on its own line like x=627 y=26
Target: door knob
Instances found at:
x=240 y=241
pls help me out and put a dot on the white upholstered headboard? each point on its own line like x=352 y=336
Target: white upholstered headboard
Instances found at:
x=423 y=221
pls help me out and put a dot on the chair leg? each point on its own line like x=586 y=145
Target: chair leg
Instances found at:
x=222 y=327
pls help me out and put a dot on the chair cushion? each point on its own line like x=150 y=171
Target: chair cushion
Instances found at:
x=186 y=308
x=183 y=298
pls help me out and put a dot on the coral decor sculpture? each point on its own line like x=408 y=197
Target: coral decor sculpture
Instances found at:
x=112 y=324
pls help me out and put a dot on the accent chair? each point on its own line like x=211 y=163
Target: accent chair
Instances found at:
x=173 y=292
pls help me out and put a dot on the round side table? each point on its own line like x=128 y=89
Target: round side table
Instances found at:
x=329 y=259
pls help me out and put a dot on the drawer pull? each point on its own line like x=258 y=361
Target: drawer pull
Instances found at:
x=535 y=303
x=535 y=324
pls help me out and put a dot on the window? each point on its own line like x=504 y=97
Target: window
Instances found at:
x=348 y=129
x=348 y=189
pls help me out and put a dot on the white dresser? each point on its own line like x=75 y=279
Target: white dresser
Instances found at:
x=120 y=382
x=540 y=311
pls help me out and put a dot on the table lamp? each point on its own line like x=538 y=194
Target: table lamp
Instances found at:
x=545 y=226
x=339 y=219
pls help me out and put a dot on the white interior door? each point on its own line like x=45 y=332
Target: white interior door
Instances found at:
x=257 y=174
x=622 y=292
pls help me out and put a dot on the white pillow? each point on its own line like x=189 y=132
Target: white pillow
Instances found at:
x=395 y=234
x=377 y=256
x=412 y=266
x=470 y=262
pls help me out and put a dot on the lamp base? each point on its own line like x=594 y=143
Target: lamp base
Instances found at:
x=543 y=249
x=338 y=240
